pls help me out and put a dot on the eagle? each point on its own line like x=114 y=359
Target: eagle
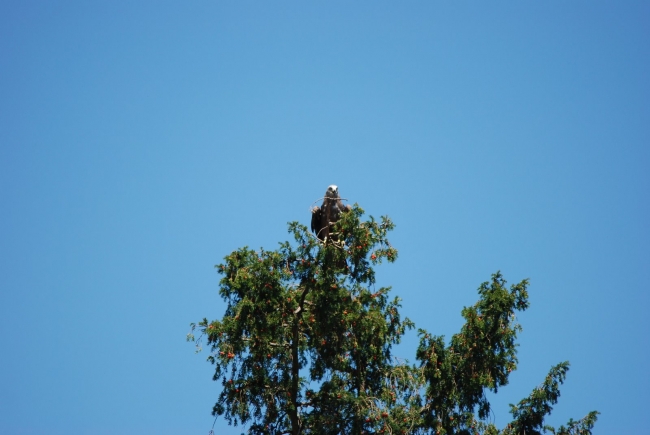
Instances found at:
x=324 y=217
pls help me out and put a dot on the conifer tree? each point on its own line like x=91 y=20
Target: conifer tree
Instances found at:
x=305 y=346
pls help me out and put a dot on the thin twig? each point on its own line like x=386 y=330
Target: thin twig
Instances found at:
x=324 y=197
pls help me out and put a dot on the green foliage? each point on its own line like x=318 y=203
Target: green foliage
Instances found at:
x=480 y=357
x=305 y=346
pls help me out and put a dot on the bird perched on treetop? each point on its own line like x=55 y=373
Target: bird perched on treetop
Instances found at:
x=324 y=217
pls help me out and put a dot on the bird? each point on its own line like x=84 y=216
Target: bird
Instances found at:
x=324 y=217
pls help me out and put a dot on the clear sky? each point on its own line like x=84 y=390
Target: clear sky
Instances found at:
x=141 y=143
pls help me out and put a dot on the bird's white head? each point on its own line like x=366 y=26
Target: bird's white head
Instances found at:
x=332 y=191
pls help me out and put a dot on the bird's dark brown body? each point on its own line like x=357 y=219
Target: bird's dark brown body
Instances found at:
x=324 y=217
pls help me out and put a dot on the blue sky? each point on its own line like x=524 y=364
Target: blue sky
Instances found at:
x=141 y=143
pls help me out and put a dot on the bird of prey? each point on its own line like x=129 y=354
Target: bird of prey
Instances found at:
x=324 y=217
